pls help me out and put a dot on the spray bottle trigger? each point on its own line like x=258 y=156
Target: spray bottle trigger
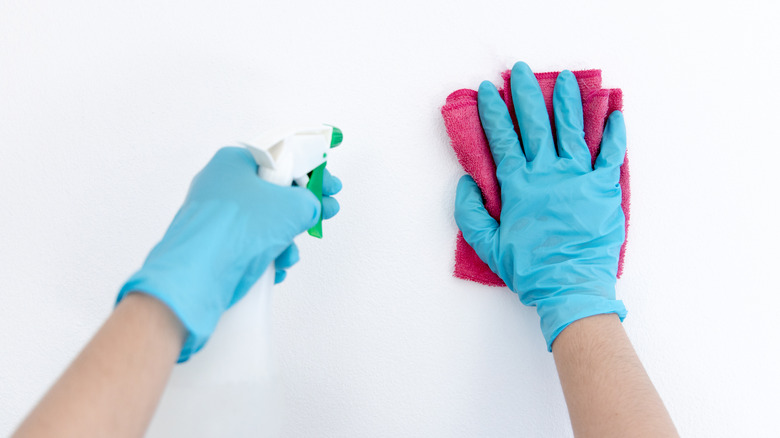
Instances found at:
x=315 y=186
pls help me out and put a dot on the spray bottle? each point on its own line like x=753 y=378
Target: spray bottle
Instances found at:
x=231 y=387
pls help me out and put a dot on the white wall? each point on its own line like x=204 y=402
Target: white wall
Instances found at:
x=108 y=110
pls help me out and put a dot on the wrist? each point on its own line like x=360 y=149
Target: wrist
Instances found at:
x=197 y=318
x=558 y=312
x=157 y=313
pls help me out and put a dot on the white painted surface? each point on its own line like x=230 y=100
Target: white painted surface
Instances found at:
x=107 y=111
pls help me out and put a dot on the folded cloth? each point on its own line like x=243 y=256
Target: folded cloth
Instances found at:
x=461 y=118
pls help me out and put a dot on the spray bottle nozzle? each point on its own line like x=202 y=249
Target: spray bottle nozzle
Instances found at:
x=336 y=137
x=299 y=155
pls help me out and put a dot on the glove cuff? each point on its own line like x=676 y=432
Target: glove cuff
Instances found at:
x=556 y=313
x=199 y=327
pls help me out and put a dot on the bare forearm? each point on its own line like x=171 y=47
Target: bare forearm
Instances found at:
x=114 y=385
x=607 y=390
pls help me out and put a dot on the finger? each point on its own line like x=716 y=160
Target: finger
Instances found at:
x=279 y=276
x=288 y=257
x=532 y=118
x=330 y=206
x=613 y=143
x=478 y=227
x=499 y=130
x=567 y=107
x=330 y=184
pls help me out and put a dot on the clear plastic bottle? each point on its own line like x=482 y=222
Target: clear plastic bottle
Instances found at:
x=231 y=387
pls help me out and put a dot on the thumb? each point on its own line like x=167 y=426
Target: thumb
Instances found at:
x=303 y=208
x=478 y=227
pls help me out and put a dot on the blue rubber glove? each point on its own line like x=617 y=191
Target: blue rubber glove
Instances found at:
x=231 y=226
x=561 y=225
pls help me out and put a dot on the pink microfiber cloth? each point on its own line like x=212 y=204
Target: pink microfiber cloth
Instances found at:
x=461 y=119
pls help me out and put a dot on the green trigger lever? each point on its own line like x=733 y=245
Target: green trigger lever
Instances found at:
x=315 y=180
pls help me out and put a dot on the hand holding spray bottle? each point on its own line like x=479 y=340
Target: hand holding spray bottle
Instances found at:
x=231 y=387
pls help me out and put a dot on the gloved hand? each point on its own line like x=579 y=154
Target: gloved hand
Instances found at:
x=561 y=225
x=231 y=226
